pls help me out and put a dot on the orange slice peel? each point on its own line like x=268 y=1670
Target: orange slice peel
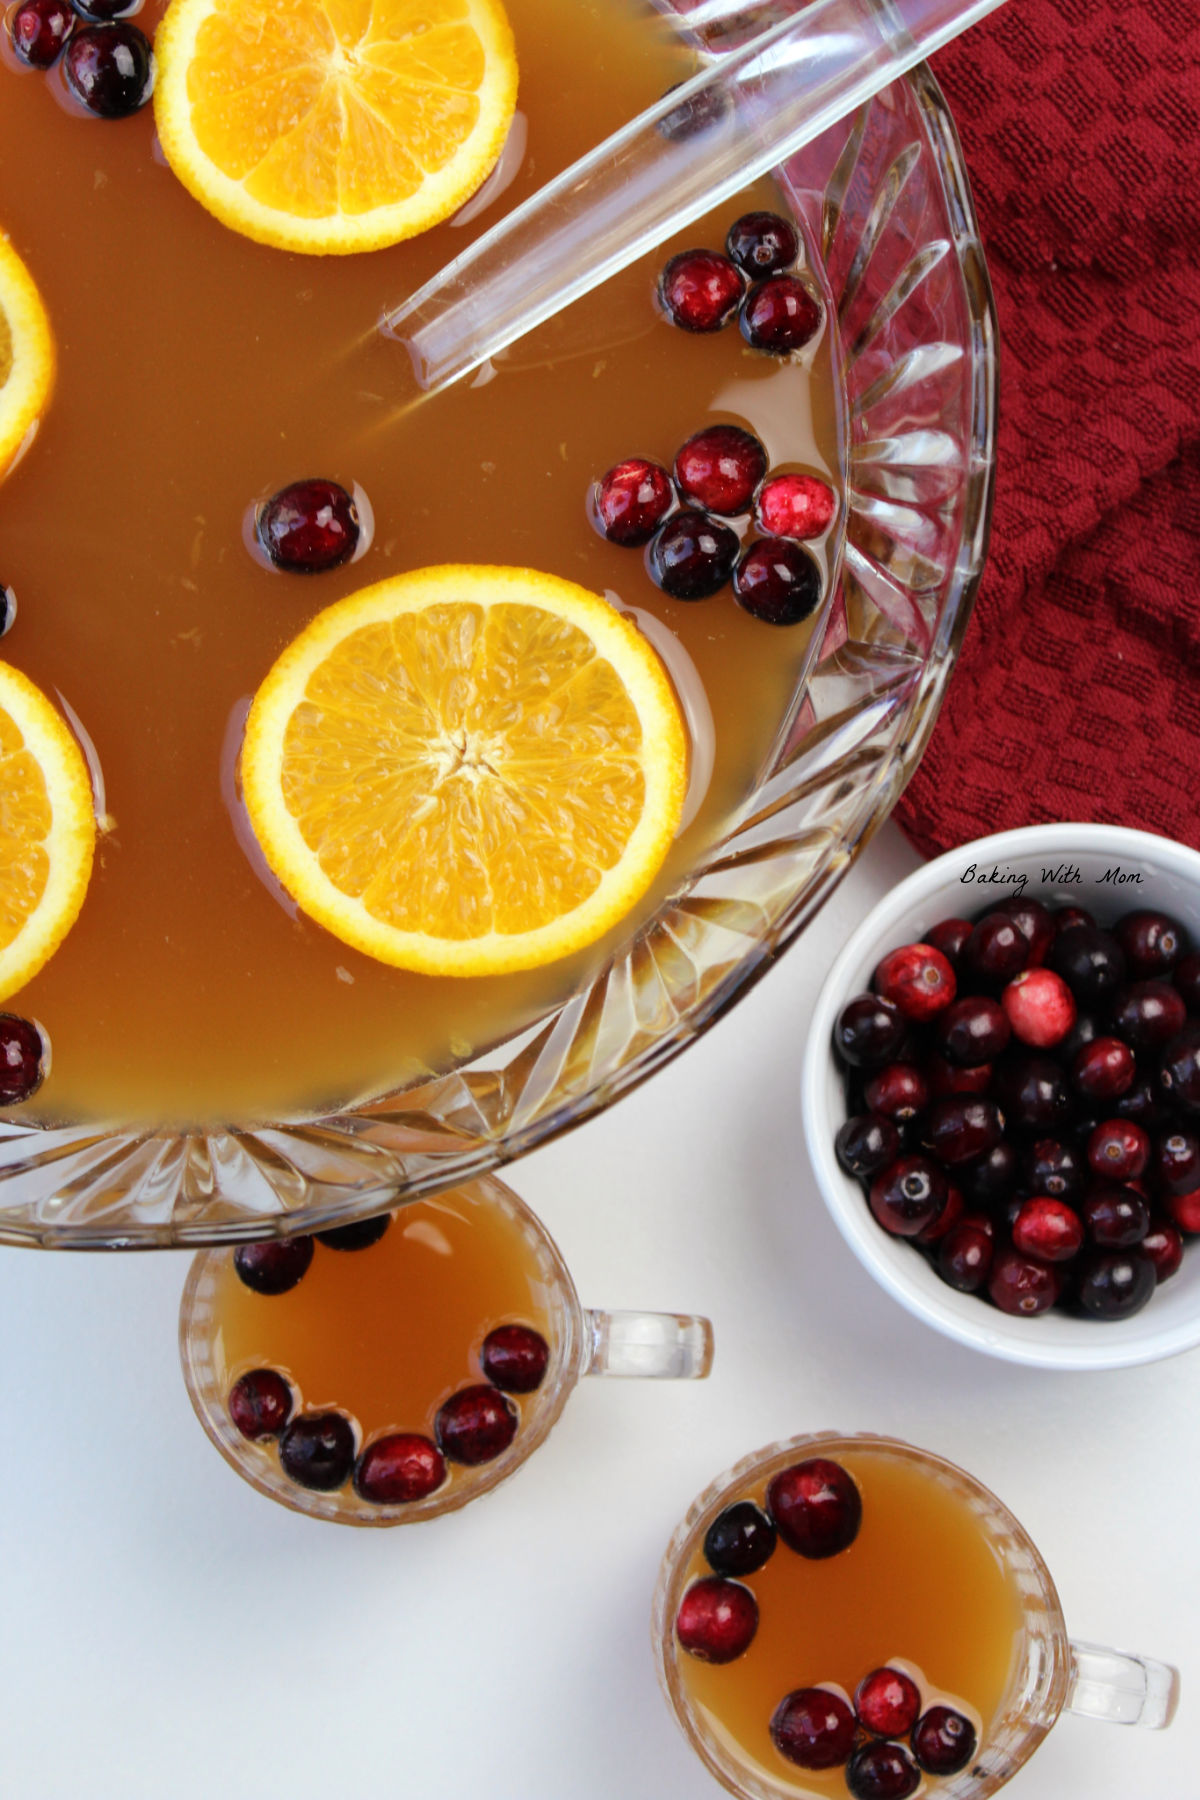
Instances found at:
x=26 y=356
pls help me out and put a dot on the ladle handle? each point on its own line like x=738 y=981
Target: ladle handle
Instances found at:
x=1123 y=1689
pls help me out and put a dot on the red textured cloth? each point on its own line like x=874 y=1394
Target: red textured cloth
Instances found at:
x=1077 y=694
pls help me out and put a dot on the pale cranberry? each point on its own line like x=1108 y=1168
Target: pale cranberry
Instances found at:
x=795 y=506
x=1040 y=1007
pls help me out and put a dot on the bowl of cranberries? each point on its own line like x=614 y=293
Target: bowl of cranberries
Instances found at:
x=1001 y=1095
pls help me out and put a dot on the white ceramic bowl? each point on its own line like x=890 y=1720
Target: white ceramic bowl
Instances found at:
x=1170 y=879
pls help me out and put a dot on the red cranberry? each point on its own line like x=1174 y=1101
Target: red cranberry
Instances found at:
x=1047 y=1229
x=398 y=1469
x=944 y=1079
x=1116 y=1284
x=1116 y=1217
x=1149 y=1013
x=475 y=1425
x=762 y=243
x=960 y=1129
x=110 y=69
x=1040 y=1007
x=692 y=556
x=916 y=978
x=887 y=1702
x=1052 y=1168
x=866 y=1143
x=908 y=1195
x=950 y=937
x=779 y=315
x=816 y=1506
x=514 y=1358
x=943 y=1741
x=1186 y=978
x=630 y=502
x=795 y=506
x=869 y=1032
x=1035 y=923
x=1152 y=941
x=317 y=1450
x=952 y=1211
x=1185 y=1210
x=1179 y=1070
x=813 y=1728
x=973 y=1031
x=898 y=1091
x=717 y=1619
x=1103 y=1069
x=39 y=30
x=720 y=468
x=24 y=1059
x=1019 y=1285
x=1177 y=1161
x=260 y=1403
x=778 y=582
x=1118 y=1150
x=275 y=1266
x=991 y=1178
x=309 y=527
x=1091 y=962
x=1164 y=1247
x=1032 y=1093
x=964 y=1259
x=880 y=1771
x=996 y=949
x=739 y=1540
x=358 y=1236
x=700 y=289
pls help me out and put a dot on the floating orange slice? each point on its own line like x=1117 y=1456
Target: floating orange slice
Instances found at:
x=26 y=355
x=333 y=125
x=466 y=771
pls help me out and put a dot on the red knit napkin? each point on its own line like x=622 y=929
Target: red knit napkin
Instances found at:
x=1077 y=694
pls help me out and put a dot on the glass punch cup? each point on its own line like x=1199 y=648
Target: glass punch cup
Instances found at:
x=854 y=1616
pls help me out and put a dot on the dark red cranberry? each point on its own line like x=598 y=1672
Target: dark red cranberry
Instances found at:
x=1032 y=1093
x=475 y=1425
x=24 y=1059
x=943 y=1741
x=631 y=501
x=692 y=117
x=1118 y=1150
x=813 y=1728
x=39 y=30
x=1018 y=1284
x=973 y=1031
x=739 y=1540
x=1176 y=1162
x=950 y=937
x=1116 y=1217
x=1149 y=1014
x=1053 y=1168
x=795 y=506
x=1085 y=1030
x=309 y=527
x=260 y=1403
x=762 y=243
x=358 y=1236
x=110 y=69
x=1066 y=918
x=1035 y=923
x=866 y=1143
x=887 y=1702
x=898 y=1091
x=908 y=1195
x=719 y=469
x=964 y=1259
x=944 y=1079
x=1153 y=942
x=104 y=11
x=717 y=1619
x=952 y=1211
x=700 y=290
x=778 y=582
x=1144 y=1104
x=692 y=556
x=1103 y=1070
x=779 y=315
x=990 y=1179
x=1185 y=1211
x=996 y=950
x=1048 y=1229
x=880 y=1771
x=1179 y=1070
x=8 y=609
x=1116 y=1284
x=515 y=1358
x=960 y=1129
x=918 y=979
x=869 y=1032
x=816 y=1506
x=1040 y=1007
x=317 y=1450
x=398 y=1469
x=1164 y=1247
x=1092 y=964
x=274 y=1266
x=1186 y=978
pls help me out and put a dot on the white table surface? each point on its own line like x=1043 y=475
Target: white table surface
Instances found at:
x=167 y=1633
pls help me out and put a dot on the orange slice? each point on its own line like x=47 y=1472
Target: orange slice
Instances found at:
x=47 y=830
x=26 y=355
x=333 y=125
x=466 y=771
